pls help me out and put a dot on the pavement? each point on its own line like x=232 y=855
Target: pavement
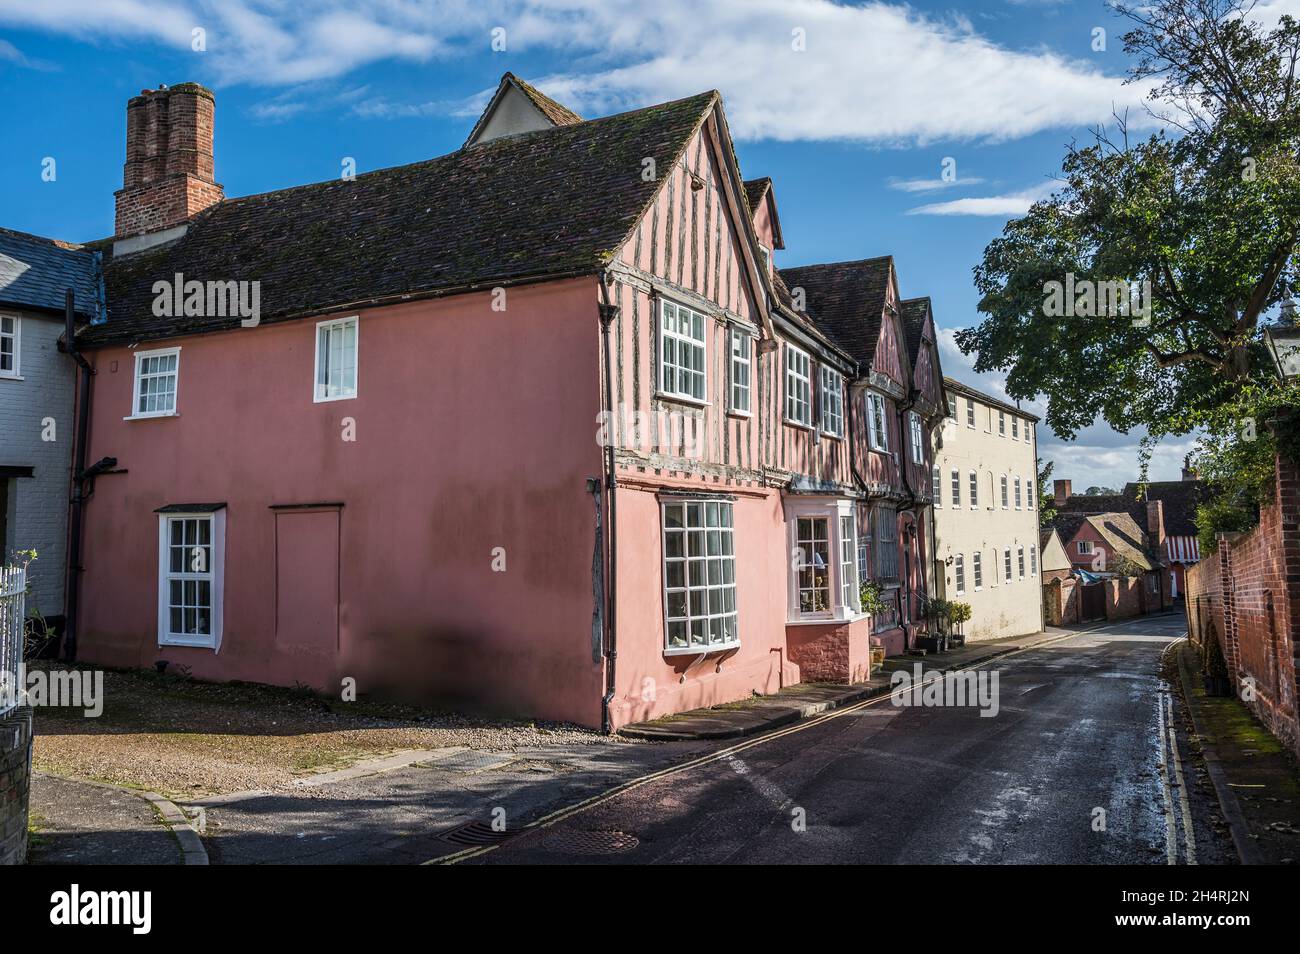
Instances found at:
x=790 y=705
x=1255 y=778
x=84 y=823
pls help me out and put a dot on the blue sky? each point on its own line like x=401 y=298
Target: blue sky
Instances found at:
x=853 y=128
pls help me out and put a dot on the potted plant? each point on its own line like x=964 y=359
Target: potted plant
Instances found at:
x=958 y=613
x=938 y=612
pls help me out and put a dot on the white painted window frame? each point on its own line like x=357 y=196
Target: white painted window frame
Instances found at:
x=1006 y=565
x=973 y=480
x=917 y=435
x=959 y=573
x=16 y=372
x=1005 y=487
x=954 y=484
x=798 y=387
x=831 y=401
x=1082 y=544
x=977 y=570
x=832 y=510
x=215 y=576
x=936 y=484
x=319 y=395
x=136 y=380
x=725 y=534
x=741 y=365
x=877 y=423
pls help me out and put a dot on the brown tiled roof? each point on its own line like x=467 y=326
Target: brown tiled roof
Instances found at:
x=846 y=300
x=557 y=113
x=1126 y=537
x=914 y=312
x=755 y=189
x=538 y=205
x=1179 y=499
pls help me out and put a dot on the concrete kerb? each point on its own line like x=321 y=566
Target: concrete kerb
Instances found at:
x=1247 y=851
x=173 y=818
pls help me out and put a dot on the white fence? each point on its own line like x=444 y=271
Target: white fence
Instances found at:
x=13 y=586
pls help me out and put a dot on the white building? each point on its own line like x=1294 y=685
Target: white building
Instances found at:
x=986 y=538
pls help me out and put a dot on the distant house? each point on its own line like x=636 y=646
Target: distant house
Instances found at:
x=37 y=388
x=1100 y=543
x=1178 y=499
x=1056 y=563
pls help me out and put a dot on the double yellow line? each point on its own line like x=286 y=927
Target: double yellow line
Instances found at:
x=546 y=821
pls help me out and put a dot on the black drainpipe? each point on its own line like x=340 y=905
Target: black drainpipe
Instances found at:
x=79 y=481
x=608 y=314
x=904 y=433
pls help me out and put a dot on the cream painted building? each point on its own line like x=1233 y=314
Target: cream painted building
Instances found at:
x=986 y=539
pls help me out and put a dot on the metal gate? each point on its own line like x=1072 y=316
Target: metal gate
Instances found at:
x=13 y=586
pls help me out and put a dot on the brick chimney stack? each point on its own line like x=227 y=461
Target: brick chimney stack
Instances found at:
x=1061 y=491
x=1156 y=524
x=168 y=177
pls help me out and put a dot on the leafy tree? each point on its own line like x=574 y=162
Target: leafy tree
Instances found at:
x=1046 y=495
x=1100 y=492
x=1205 y=213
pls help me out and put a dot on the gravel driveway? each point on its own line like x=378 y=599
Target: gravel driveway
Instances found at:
x=187 y=739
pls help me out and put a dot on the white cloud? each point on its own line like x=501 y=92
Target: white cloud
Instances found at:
x=931 y=185
x=878 y=72
x=1013 y=203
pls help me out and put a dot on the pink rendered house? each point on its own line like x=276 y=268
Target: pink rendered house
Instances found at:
x=533 y=426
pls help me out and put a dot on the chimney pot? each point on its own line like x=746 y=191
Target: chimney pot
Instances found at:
x=168 y=176
x=1156 y=523
x=1061 y=491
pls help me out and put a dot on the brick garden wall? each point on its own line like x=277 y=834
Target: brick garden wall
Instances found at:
x=15 y=784
x=1249 y=593
x=1061 y=598
x=1123 y=598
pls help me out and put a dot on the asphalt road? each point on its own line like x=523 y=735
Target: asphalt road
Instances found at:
x=1083 y=728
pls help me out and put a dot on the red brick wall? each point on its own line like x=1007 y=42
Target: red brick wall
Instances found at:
x=1250 y=592
x=835 y=652
x=1123 y=598
x=1061 y=598
x=168 y=175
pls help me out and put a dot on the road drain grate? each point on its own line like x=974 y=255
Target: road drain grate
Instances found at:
x=591 y=842
x=473 y=835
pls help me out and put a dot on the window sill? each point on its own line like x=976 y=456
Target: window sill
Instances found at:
x=744 y=415
x=187 y=643
x=832 y=435
x=330 y=400
x=790 y=422
x=12 y=377
x=702 y=650
x=681 y=399
x=827 y=620
x=150 y=417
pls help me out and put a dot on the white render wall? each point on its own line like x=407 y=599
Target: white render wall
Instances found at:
x=38 y=505
x=998 y=608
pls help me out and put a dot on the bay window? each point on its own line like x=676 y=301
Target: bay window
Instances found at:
x=699 y=575
x=827 y=560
